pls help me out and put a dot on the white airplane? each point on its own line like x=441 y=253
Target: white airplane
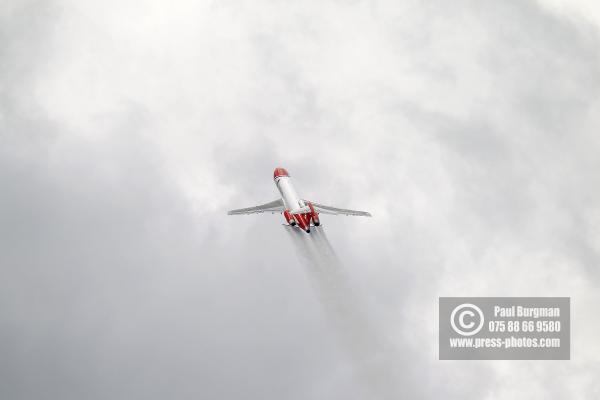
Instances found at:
x=295 y=210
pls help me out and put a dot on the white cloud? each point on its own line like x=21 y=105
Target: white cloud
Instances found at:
x=468 y=130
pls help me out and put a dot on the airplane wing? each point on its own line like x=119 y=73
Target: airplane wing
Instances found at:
x=274 y=206
x=320 y=208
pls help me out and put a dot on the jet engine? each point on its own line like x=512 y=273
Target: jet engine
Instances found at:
x=314 y=215
x=289 y=218
x=303 y=221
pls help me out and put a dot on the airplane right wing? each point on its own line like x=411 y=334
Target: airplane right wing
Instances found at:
x=320 y=208
x=272 y=207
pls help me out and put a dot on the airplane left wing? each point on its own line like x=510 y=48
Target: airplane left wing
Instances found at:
x=274 y=206
x=320 y=208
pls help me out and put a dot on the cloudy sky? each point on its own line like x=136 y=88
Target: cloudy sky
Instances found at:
x=469 y=129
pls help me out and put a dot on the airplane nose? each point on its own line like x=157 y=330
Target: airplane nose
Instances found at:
x=279 y=172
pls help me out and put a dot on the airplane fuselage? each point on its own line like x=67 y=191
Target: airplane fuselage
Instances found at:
x=297 y=211
x=290 y=198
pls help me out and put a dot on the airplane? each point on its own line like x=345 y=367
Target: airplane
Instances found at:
x=295 y=210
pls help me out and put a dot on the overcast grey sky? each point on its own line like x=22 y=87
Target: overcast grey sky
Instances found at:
x=469 y=129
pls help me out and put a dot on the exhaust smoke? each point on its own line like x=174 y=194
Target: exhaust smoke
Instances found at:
x=372 y=355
